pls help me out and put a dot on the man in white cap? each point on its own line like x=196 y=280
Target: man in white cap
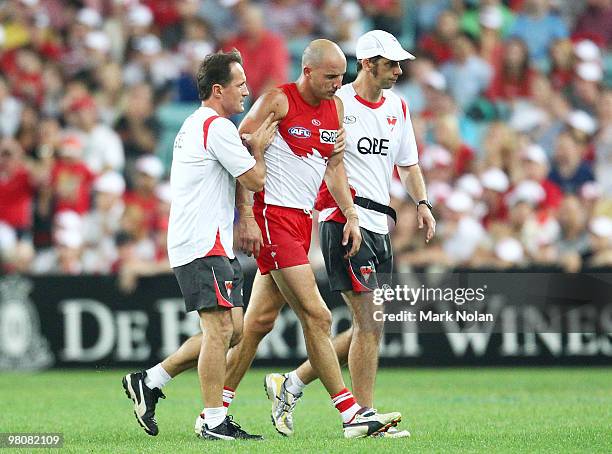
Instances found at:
x=379 y=136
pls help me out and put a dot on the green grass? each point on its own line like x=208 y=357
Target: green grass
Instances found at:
x=447 y=410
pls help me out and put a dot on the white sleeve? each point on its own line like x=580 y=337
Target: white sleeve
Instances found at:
x=408 y=154
x=224 y=144
x=114 y=154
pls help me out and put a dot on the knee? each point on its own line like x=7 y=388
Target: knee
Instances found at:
x=236 y=336
x=260 y=324
x=319 y=319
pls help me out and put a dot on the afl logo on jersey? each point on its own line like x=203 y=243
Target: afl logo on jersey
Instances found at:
x=299 y=132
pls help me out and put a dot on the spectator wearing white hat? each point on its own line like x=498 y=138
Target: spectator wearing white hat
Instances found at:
x=603 y=143
x=600 y=240
x=585 y=90
x=490 y=23
x=437 y=164
x=151 y=62
x=141 y=200
x=495 y=184
x=103 y=149
x=595 y=21
x=65 y=256
x=462 y=233
x=71 y=179
x=102 y=223
x=537 y=229
x=491 y=14
x=569 y=170
x=536 y=167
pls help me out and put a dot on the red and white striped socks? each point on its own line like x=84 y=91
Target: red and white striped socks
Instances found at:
x=345 y=403
x=228 y=396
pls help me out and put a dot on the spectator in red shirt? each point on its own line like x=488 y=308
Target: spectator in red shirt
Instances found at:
x=143 y=198
x=438 y=44
x=513 y=78
x=596 y=21
x=562 y=63
x=265 y=70
x=17 y=188
x=536 y=166
x=71 y=179
x=447 y=134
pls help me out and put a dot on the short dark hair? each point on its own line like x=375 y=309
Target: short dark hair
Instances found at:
x=216 y=69
x=373 y=60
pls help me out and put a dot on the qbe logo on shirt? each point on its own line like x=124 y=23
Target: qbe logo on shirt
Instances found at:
x=328 y=135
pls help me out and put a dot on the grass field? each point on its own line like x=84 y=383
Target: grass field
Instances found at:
x=447 y=410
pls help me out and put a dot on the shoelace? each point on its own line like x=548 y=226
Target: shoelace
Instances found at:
x=235 y=426
x=288 y=407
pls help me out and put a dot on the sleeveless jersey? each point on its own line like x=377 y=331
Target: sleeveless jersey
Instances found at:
x=297 y=157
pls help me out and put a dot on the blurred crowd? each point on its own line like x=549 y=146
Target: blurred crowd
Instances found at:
x=511 y=103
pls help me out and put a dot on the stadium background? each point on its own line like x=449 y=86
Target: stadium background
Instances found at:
x=511 y=103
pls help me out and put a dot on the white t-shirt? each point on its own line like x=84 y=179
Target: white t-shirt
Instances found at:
x=378 y=137
x=207 y=157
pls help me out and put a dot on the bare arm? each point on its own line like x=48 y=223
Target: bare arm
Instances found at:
x=248 y=236
x=337 y=183
x=413 y=181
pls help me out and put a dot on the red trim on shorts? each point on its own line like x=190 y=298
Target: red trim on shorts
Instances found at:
x=371 y=105
x=404 y=108
x=221 y=301
x=357 y=285
x=207 y=123
x=217 y=249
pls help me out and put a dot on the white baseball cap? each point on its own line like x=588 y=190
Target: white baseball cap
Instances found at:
x=470 y=184
x=150 y=165
x=140 y=16
x=589 y=71
x=601 y=226
x=582 y=121
x=535 y=153
x=495 y=179
x=459 y=202
x=587 y=50
x=527 y=191
x=89 y=17
x=380 y=43
x=110 y=182
x=509 y=250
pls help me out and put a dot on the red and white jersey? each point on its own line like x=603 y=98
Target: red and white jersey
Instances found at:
x=207 y=157
x=378 y=137
x=297 y=157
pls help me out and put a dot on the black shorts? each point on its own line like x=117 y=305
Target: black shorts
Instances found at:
x=368 y=270
x=210 y=283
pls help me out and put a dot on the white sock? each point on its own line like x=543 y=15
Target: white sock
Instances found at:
x=294 y=384
x=214 y=416
x=157 y=377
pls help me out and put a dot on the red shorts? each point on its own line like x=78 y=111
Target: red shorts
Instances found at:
x=286 y=234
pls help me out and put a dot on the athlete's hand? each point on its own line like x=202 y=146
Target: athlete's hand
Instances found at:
x=340 y=141
x=352 y=233
x=425 y=218
x=248 y=236
x=263 y=136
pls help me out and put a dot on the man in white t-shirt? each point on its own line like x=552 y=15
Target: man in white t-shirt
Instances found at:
x=379 y=137
x=208 y=158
